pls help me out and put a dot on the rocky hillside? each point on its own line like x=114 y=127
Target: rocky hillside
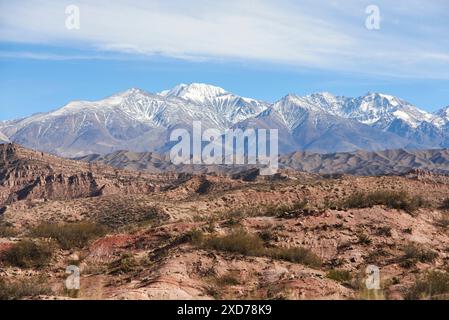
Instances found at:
x=299 y=236
x=30 y=175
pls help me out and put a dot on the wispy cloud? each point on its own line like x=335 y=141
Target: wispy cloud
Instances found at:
x=330 y=35
x=54 y=57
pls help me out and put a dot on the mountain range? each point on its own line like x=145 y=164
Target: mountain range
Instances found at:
x=139 y=121
x=362 y=163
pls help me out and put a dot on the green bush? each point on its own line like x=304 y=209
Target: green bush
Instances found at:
x=339 y=275
x=399 y=200
x=70 y=235
x=23 y=288
x=29 y=254
x=433 y=285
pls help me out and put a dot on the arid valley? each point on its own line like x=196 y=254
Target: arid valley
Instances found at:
x=294 y=235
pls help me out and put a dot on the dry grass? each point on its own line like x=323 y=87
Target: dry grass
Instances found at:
x=29 y=254
x=399 y=200
x=242 y=242
x=343 y=276
x=432 y=285
x=414 y=253
x=7 y=232
x=23 y=288
x=70 y=235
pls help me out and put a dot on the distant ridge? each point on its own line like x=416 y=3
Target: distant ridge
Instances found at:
x=389 y=162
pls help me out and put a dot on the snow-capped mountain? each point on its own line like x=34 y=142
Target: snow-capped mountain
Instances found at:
x=443 y=116
x=387 y=113
x=223 y=107
x=136 y=120
x=3 y=138
x=375 y=109
x=133 y=119
x=304 y=125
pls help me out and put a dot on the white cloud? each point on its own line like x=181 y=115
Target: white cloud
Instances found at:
x=317 y=34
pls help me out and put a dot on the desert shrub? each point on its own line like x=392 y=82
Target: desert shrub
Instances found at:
x=287 y=210
x=233 y=217
x=6 y=232
x=126 y=213
x=240 y=241
x=29 y=254
x=363 y=238
x=194 y=236
x=432 y=285
x=70 y=235
x=445 y=204
x=125 y=264
x=23 y=288
x=339 y=275
x=399 y=200
x=229 y=279
x=414 y=253
x=384 y=231
x=295 y=254
x=267 y=235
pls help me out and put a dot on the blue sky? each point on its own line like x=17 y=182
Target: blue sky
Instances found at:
x=262 y=49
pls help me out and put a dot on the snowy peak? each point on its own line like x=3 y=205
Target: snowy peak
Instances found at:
x=197 y=92
x=384 y=109
x=3 y=138
x=138 y=120
x=444 y=114
x=132 y=92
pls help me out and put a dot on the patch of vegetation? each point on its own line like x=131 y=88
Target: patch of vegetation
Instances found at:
x=239 y=241
x=229 y=279
x=384 y=231
x=295 y=254
x=414 y=253
x=445 y=204
x=343 y=276
x=122 y=213
x=285 y=211
x=23 y=288
x=70 y=235
x=7 y=232
x=125 y=264
x=242 y=242
x=399 y=200
x=375 y=256
x=432 y=285
x=267 y=235
x=29 y=254
x=233 y=217
x=363 y=238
